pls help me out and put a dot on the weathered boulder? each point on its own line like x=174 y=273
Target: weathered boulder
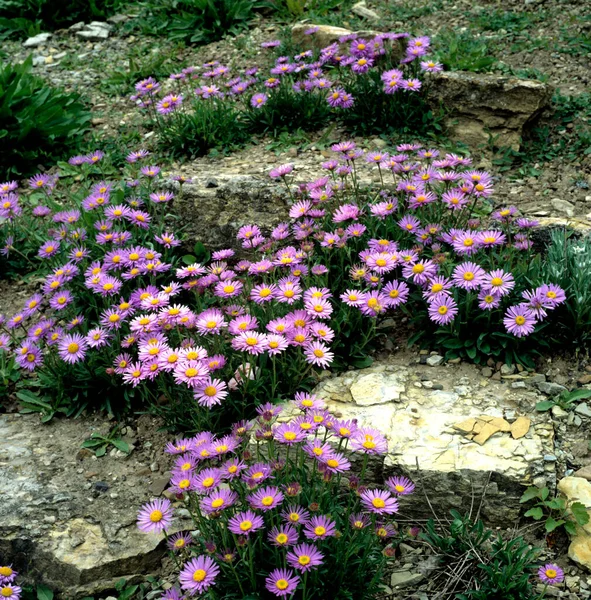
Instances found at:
x=578 y=489
x=426 y=427
x=482 y=106
x=68 y=519
x=215 y=207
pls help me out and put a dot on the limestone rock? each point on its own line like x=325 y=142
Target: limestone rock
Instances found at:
x=37 y=40
x=377 y=388
x=434 y=360
x=578 y=489
x=214 y=215
x=361 y=10
x=563 y=206
x=520 y=427
x=80 y=542
x=550 y=388
x=481 y=106
x=402 y=579
x=94 y=34
x=430 y=427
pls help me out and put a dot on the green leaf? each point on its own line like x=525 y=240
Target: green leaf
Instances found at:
x=544 y=493
x=44 y=593
x=471 y=352
x=577 y=395
x=544 y=405
x=580 y=513
x=529 y=494
x=570 y=528
x=121 y=445
x=189 y=259
x=362 y=363
x=552 y=524
x=535 y=513
x=101 y=451
x=453 y=344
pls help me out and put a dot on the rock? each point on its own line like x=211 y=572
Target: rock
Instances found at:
x=486 y=372
x=361 y=10
x=563 y=206
x=77 y=26
x=583 y=410
x=37 y=40
x=38 y=60
x=377 y=388
x=402 y=579
x=507 y=369
x=584 y=379
x=482 y=105
x=93 y=541
x=214 y=215
x=518 y=385
x=578 y=489
x=585 y=473
x=100 y=25
x=520 y=427
x=96 y=34
x=559 y=412
x=550 y=388
x=430 y=427
x=435 y=360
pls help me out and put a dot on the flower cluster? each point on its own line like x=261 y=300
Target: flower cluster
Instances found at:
x=277 y=506
x=309 y=87
x=8 y=588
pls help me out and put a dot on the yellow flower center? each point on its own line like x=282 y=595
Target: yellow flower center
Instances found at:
x=436 y=287
x=399 y=488
x=304 y=559
x=378 y=503
x=228 y=289
x=282 y=584
x=184 y=484
x=318 y=353
x=294 y=517
x=251 y=341
x=191 y=372
x=208 y=482
x=551 y=294
x=551 y=573
x=210 y=391
x=73 y=348
x=333 y=463
x=496 y=281
x=6 y=592
x=267 y=501
x=156 y=516
x=199 y=575
x=289 y=435
x=520 y=320
x=245 y=525
x=468 y=242
x=319 y=530
x=217 y=502
x=442 y=310
x=281 y=538
x=5 y=571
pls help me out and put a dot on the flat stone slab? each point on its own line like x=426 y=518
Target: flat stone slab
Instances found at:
x=427 y=426
x=67 y=518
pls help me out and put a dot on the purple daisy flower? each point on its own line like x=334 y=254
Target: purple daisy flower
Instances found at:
x=9 y=591
x=283 y=536
x=245 y=523
x=266 y=498
x=400 y=485
x=155 y=516
x=218 y=500
x=550 y=574
x=442 y=309
x=468 y=276
x=319 y=528
x=520 y=320
x=7 y=574
x=198 y=574
x=369 y=441
x=72 y=348
x=498 y=282
x=304 y=557
x=282 y=582
x=379 y=502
